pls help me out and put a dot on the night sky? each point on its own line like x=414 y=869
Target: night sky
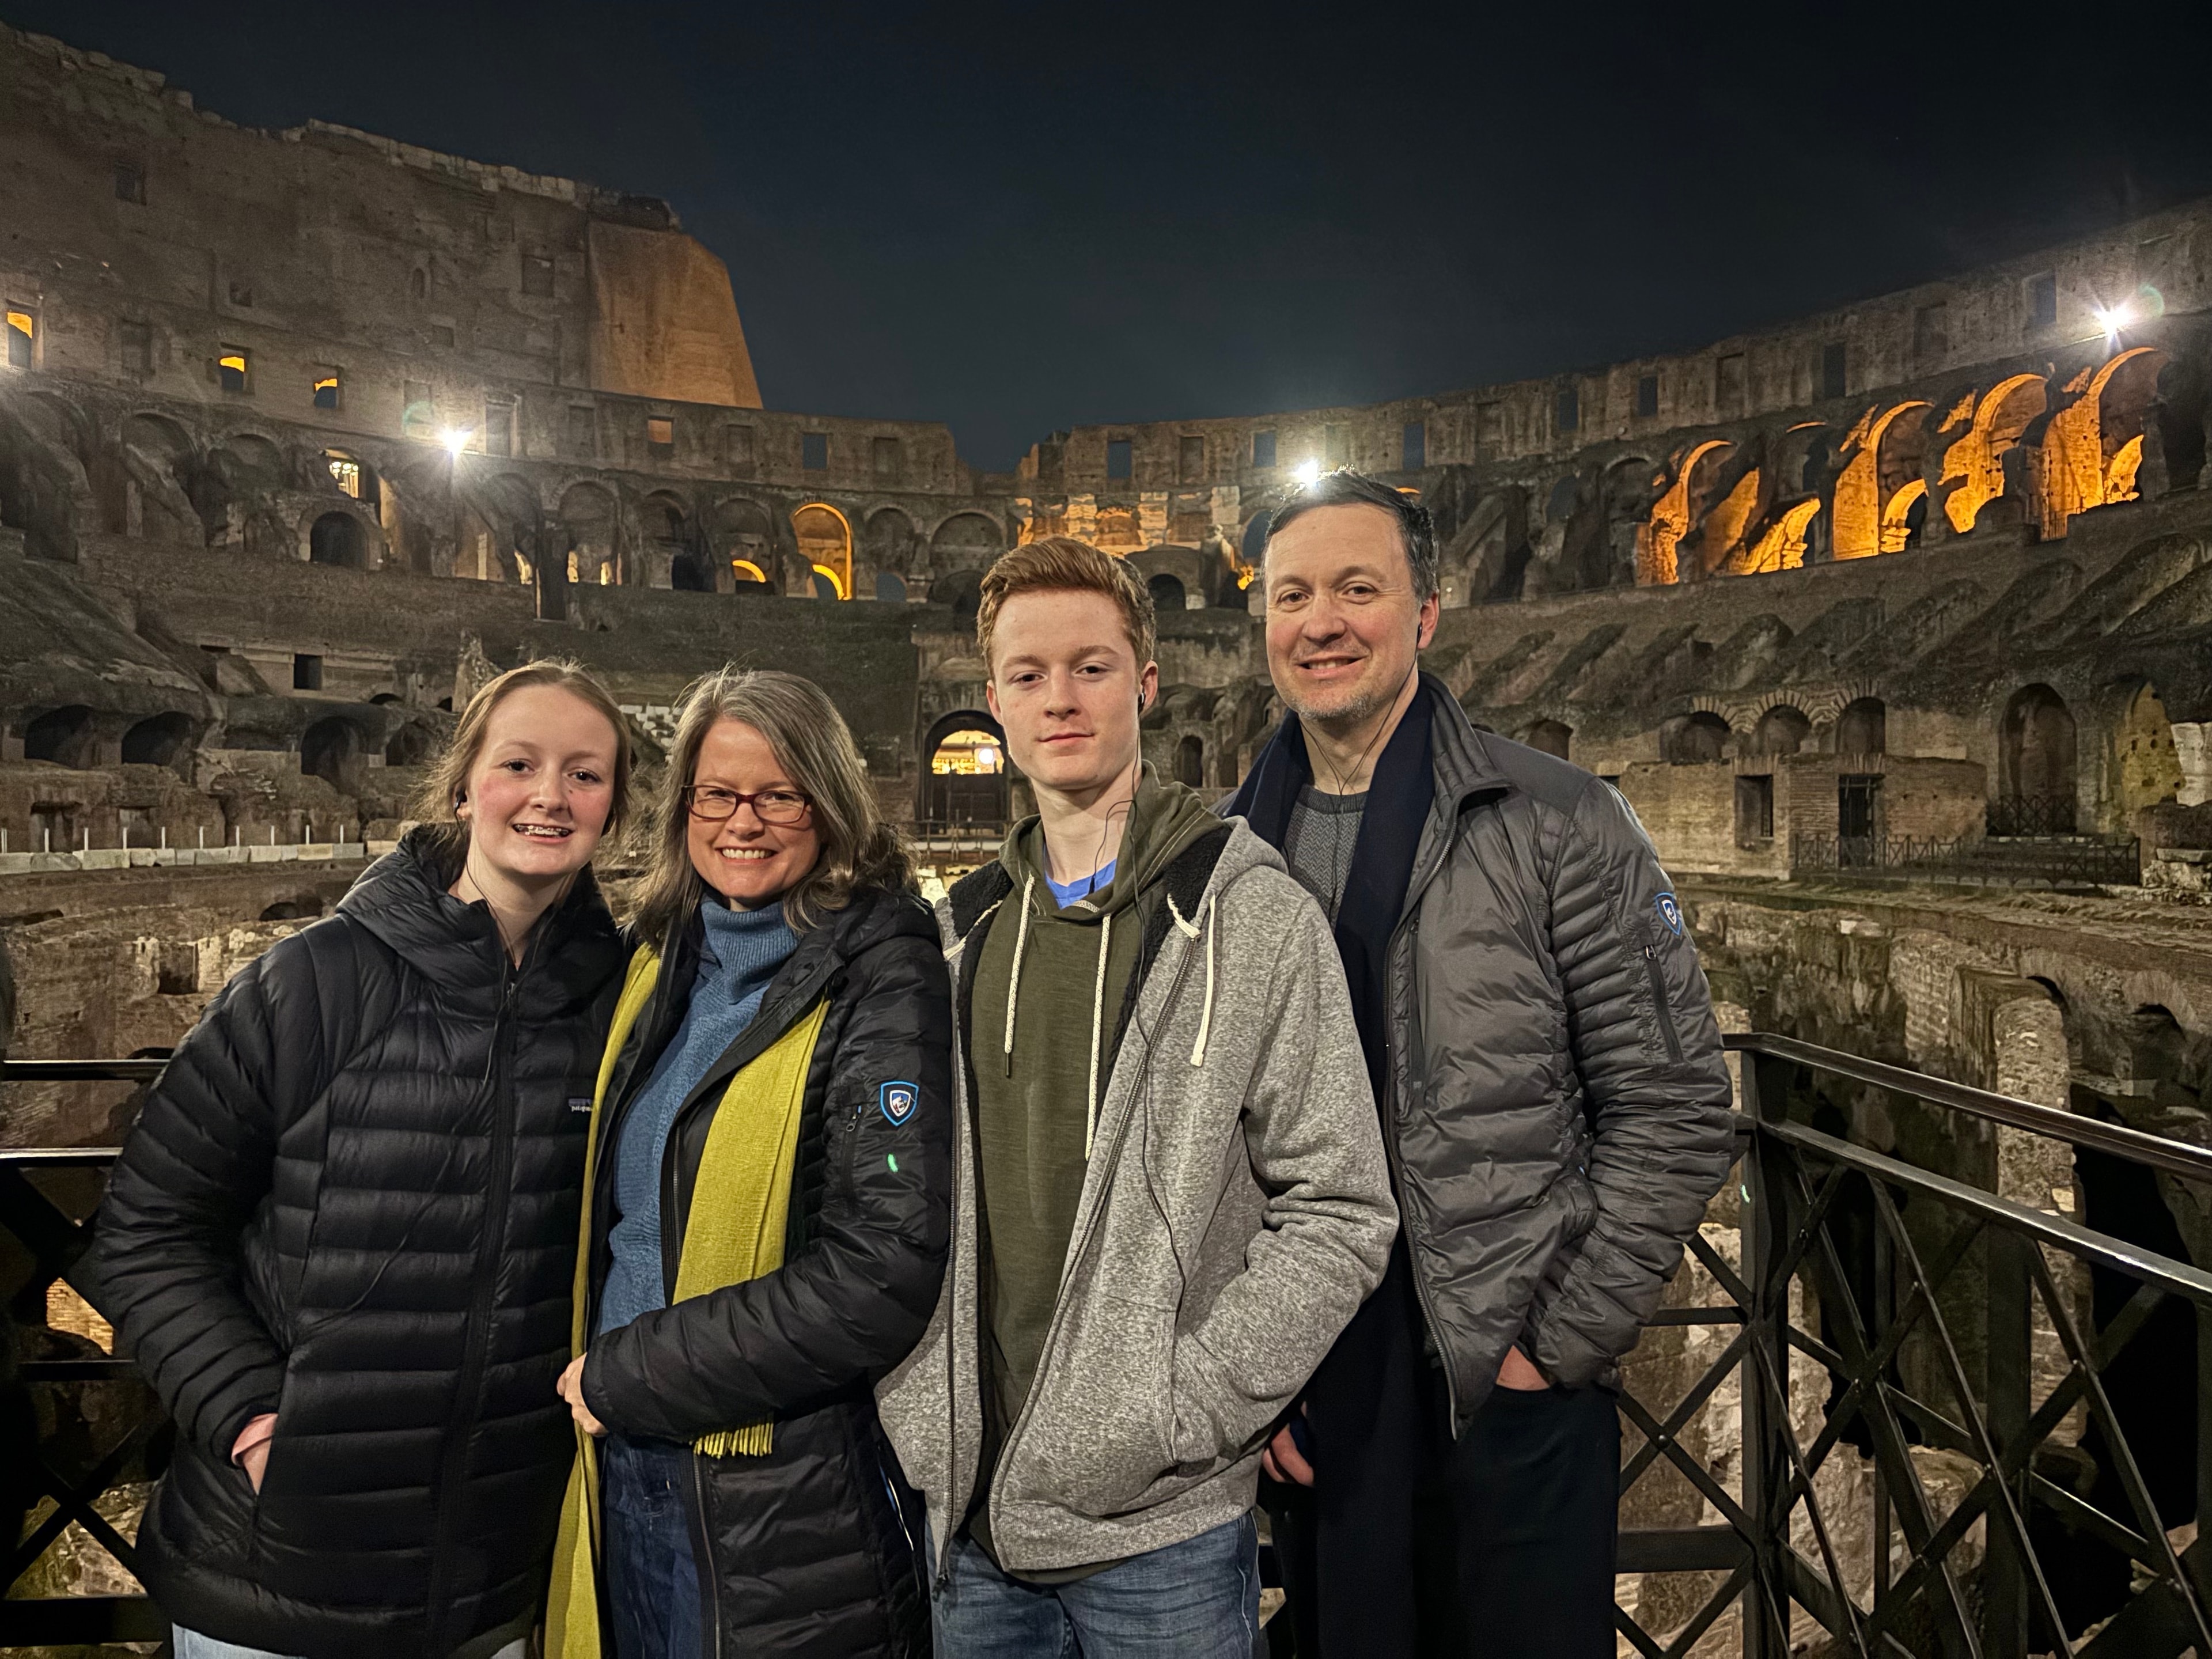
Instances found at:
x=1017 y=218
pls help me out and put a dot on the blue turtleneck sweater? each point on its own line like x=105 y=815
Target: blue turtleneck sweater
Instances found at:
x=739 y=956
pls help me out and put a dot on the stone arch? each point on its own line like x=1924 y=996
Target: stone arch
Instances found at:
x=1190 y=761
x=889 y=540
x=1680 y=505
x=331 y=749
x=1891 y=458
x=744 y=539
x=1550 y=737
x=591 y=519
x=963 y=590
x=1781 y=730
x=1973 y=466
x=156 y=460
x=414 y=744
x=2037 y=762
x=974 y=787
x=825 y=543
x=336 y=538
x=1167 y=591
x=158 y=740
x=966 y=541
x=671 y=557
x=63 y=736
x=1695 y=739
x=1862 y=727
x=2093 y=447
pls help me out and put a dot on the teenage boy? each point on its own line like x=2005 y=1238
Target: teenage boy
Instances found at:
x=1543 y=1044
x=1171 y=1191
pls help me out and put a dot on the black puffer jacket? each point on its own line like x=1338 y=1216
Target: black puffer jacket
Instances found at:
x=812 y=1549
x=352 y=1200
x=1558 y=1110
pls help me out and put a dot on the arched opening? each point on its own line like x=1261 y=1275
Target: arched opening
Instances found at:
x=889 y=541
x=1680 y=506
x=1551 y=737
x=1863 y=728
x=667 y=530
x=2145 y=764
x=158 y=740
x=588 y=516
x=356 y=477
x=1974 y=464
x=1167 y=591
x=62 y=736
x=2092 y=448
x=1693 y=739
x=336 y=538
x=2036 y=766
x=412 y=744
x=889 y=589
x=1781 y=730
x=1891 y=460
x=963 y=590
x=965 y=541
x=825 y=541
x=748 y=576
x=330 y=749
x=743 y=540
x=966 y=778
x=1190 y=761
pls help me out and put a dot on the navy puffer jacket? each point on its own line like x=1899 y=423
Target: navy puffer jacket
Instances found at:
x=352 y=1200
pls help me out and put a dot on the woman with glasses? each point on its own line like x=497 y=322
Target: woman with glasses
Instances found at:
x=766 y=1219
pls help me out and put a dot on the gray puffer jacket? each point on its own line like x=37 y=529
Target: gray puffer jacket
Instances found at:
x=1558 y=1110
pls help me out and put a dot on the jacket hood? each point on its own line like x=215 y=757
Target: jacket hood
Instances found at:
x=402 y=899
x=1164 y=819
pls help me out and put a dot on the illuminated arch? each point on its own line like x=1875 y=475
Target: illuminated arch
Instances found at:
x=825 y=541
x=1860 y=504
x=1976 y=461
x=1781 y=547
x=746 y=571
x=1896 y=518
x=2084 y=441
x=1659 y=535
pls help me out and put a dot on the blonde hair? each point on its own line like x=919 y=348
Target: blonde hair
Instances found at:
x=446 y=785
x=1062 y=564
x=815 y=747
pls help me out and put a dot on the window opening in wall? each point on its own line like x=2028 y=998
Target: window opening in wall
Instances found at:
x=1731 y=385
x=1121 y=458
x=233 y=370
x=498 y=427
x=1835 y=361
x=1754 y=810
x=583 y=430
x=347 y=472
x=136 y=340
x=661 y=432
x=306 y=672
x=814 y=451
x=1263 y=449
x=23 y=331
x=1413 y=447
x=2042 y=300
x=1190 y=458
x=737 y=451
x=537 y=275
x=326 y=389
x=1190 y=763
x=415 y=410
x=1567 y=412
x=885 y=459
x=241 y=296
x=441 y=334
x=131 y=183
x=1647 y=395
x=418 y=284
x=1931 y=334
x=1858 y=818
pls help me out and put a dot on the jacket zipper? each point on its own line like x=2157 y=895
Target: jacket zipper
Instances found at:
x=962 y=1002
x=490 y=1244
x=1662 y=1009
x=710 y=1583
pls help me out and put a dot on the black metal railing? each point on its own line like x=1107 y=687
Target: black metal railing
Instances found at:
x=2074 y=861
x=1920 y=1298
x=960 y=834
x=2033 y=814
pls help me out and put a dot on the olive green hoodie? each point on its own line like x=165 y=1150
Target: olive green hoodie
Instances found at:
x=1048 y=991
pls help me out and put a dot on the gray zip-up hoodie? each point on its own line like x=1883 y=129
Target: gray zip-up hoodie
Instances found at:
x=1234 y=1213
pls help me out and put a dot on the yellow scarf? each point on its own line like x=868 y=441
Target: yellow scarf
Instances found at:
x=745 y=1170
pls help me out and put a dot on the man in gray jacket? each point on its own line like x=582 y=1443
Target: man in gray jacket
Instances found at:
x=1170 y=1190
x=1542 y=1042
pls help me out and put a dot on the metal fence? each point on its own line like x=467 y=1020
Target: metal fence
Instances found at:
x=2033 y=814
x=1889 y=1263
x=2059 y=861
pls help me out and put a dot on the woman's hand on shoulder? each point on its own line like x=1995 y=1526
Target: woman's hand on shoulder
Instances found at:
x=571 y=1388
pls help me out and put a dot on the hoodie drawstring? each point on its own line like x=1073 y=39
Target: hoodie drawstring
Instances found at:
x=1014 y=982
x=1097 y=1030
x=1190 y=930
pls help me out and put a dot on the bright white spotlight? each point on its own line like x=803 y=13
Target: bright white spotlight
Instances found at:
x=455 y=439
x=2113 y=319
x=1305 y=473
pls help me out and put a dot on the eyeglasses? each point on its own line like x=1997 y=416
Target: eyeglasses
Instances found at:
x=785 y=809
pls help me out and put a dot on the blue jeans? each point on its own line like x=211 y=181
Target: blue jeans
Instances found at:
x=1197 y=1599
x=653 y=1581
x=190 y=1644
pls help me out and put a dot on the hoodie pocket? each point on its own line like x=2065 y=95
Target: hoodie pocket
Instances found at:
x=1101 y=1420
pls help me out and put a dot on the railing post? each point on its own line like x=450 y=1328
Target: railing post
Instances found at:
x=2006 y=1381
x=1765 y=1457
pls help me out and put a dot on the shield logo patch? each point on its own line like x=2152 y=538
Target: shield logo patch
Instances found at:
x=897 y=1101
x=1670 y=912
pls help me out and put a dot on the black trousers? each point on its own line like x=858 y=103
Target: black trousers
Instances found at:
x=1498 y=1545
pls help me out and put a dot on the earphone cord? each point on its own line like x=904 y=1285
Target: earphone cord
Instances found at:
x=1342 y=779
x=1125 y=808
